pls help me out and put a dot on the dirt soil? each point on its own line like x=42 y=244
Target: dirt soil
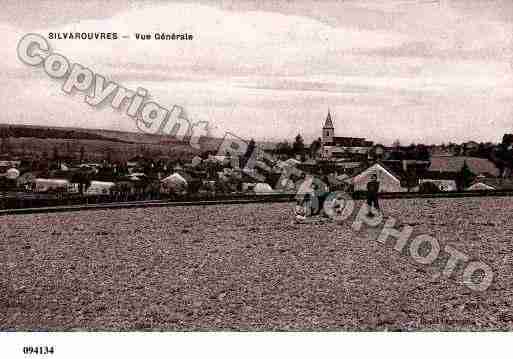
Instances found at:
x=250 y=267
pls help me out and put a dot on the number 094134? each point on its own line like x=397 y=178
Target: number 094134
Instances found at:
x=41 y=350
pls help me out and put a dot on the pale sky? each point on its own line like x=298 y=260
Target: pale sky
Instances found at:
x=415 y=70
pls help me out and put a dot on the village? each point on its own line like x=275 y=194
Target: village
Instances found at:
x=344 y=163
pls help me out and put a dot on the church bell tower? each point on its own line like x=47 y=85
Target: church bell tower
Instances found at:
x=328 y=131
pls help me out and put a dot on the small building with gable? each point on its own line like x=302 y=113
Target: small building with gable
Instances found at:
x=389 y=181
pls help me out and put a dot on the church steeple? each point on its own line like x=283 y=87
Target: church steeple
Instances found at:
x=328 y=124
x=328 y=131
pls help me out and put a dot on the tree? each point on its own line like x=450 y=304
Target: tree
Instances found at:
x=298 y=147
x=67 y=150
x=502 y=155
x=228 y=161
x=411 y=179
x=396 y=152
x=485 y=150
x=283 y=148
x=507 y=139
x=55 y=153
x=83 y=179
x=423 y=153
x=315 y=147
x=82 y=154
x=108 y=154
x=106 y=174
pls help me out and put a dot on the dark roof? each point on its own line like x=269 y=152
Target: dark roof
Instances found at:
x=419 y=166
x=328 y=123
x=455 y=163
x=436 y=175
x=413 y=168
x=349 y=142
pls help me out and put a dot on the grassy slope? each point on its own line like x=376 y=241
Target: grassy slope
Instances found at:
x=120 y=145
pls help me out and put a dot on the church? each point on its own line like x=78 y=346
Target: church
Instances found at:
x=333 y=147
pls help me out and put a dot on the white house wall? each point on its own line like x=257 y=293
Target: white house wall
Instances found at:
x=387 y=181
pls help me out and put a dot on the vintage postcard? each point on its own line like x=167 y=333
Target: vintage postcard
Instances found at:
x=256 y=166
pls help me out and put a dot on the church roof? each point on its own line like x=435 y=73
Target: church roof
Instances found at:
x=350 y=142
x=328 y=123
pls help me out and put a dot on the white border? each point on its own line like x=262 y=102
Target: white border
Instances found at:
x=259 y=345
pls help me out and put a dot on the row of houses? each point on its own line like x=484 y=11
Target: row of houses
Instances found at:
x=393 y=177
x=442 y=174
x=215 y=174
x=344 y=162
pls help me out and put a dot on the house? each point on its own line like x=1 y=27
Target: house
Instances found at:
x=388 y=179
x=444 y=181
x=337 y=166
x=54 y=184
x=478 y=166
x=491 y=184
x=470 y=147
x=175 y=183
x=181 y=181
x=440 y=151
x=263 y=188
x=99 y=187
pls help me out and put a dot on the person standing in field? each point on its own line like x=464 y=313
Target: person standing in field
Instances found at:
x=372 y=194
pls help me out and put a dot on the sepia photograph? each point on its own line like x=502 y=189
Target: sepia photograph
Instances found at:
x=259 y=167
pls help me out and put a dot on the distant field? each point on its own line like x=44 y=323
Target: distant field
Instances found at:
x=98 y=149
x=27 y=140
x=249 y=267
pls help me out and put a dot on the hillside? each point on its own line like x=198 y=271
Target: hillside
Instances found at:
x=38 y=141
x=29 y=131
x=29 y=140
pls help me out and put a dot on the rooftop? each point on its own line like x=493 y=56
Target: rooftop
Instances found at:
x=455 y=163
